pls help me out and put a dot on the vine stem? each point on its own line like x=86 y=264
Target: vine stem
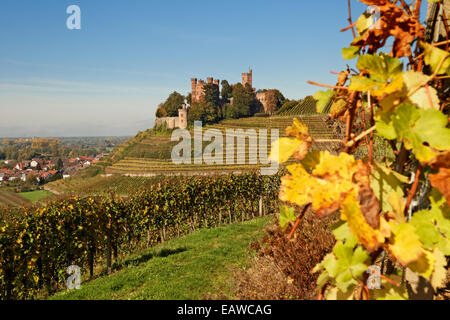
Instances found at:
x=326 y=85
x=413 y=189
x=389 y=280
x=297 y=222
x=360 y=136
x=350 y=18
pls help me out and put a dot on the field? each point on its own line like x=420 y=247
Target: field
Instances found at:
x=10 y=198
x=35 y=196
x=192 y=267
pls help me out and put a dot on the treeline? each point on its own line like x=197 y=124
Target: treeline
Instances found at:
x=230 y=102
x=28 y=148
x=37 y=245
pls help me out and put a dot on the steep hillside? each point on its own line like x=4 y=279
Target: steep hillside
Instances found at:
x=151 y=155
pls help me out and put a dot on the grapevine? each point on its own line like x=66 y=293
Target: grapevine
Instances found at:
x=398 y=208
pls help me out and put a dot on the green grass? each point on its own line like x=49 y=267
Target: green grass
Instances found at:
x=202 y=263
x=35 y=196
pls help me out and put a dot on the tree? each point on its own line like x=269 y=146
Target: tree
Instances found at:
x=272 y=102
x=244 y=102
x=227 y=91
x=161 y=111
x=173 y=103
x=59 y=164
x=189 y=98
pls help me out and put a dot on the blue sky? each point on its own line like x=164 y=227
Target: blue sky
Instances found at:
x=109 y=77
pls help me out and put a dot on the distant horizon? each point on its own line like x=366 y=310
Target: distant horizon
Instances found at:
x=108 y=78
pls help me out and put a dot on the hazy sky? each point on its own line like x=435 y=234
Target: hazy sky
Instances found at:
x=109 y=77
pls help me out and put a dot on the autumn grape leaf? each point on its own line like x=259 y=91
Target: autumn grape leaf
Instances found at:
x=424 y=266
x=284 y=148
x=439 y=277
x=344 y=266
x=369 y=237
x=327 y=186
x=421 y=130
x=433 y=226
x=364 y=22
x=350 y=53
x=405 y=245
x=435 y=57
x=398 y=207
x=441 y=181
x=287 y=215
x=342 y=233
x=311 y=160
x=384 y=182
x=419 y=92
x=323 y=99
x=384 y=75
x=381 y=67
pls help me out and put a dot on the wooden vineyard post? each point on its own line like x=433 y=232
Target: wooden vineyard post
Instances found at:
x=260 y=207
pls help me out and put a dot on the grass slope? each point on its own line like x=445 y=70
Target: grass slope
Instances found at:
x=192 y=267
x=35 y=196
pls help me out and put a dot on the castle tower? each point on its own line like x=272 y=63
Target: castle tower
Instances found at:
x=194 y=89
x=182 y=117
x=247 y=78
x=209 y=80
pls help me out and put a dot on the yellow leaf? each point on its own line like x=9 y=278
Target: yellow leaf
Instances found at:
x=439 y=277
x=424 y=265
x=284 y=148
x=371 y=238
x=406 y=246
x=398 y=207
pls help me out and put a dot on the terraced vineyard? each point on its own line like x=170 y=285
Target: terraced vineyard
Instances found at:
x=152 y=155
x=304 y=107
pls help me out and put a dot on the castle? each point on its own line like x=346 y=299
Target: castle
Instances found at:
x=174 y=122
x=197 y=93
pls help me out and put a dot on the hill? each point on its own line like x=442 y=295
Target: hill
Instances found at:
x=140 y=160
x=198 y=265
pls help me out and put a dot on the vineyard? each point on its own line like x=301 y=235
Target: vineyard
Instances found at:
x=158 y=149
x=308 y=106
x=38 y=244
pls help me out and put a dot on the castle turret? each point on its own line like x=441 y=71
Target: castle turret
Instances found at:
x=182 y=117
x=247 y=78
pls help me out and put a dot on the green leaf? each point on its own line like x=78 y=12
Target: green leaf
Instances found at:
x=433 y=226
x=421 y=130
x=346 y=265
x=381 y=68
x=342 y=233
x=434 y=56
x=287 y=215
x=323 y=99
x=350 y=52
